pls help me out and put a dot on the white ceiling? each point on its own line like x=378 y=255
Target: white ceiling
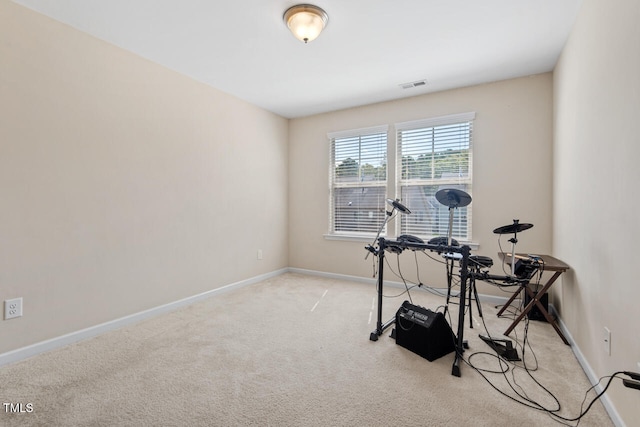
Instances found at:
x=368 y=49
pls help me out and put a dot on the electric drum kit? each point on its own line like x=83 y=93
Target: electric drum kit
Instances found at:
x=454 y=198
x=472 y=266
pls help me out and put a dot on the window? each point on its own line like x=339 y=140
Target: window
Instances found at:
x=358 y=175
x=431 y=155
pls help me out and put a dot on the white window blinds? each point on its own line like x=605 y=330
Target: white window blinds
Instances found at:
x=358 y=175
x=434 y=154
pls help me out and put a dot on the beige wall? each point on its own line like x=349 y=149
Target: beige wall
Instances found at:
x=596 y=176
x=511 y=172
x=124 y=185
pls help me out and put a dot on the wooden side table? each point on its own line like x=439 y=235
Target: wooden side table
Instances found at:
x=550 y=264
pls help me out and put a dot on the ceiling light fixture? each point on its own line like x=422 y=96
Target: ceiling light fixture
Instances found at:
x=305 y=21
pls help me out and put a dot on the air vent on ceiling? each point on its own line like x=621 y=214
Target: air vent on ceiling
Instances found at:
x=410 y=85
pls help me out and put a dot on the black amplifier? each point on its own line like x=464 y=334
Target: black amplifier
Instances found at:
x=423 y=331
x=535 y=313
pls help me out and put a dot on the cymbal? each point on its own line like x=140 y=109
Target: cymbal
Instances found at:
x=453 y=197
x=512 y=228
x=396 y=204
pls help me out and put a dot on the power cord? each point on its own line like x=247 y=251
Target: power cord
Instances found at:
x=414 y=285
x=506 y=366
x=521 y=396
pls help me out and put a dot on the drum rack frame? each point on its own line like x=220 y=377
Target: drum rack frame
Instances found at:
x=398 y=246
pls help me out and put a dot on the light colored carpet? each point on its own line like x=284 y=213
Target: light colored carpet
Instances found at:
x=293 y=350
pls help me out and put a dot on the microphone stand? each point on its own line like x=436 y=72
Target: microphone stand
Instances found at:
x=370 y=247
x=379 y=252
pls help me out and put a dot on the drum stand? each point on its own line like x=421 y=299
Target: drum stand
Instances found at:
x=502 y=344
x=508 y=229
x=379 y=252
x=475 y=265
x=453 y=198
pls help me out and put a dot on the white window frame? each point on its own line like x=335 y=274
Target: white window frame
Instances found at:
x=376 y=211
x=428 y=216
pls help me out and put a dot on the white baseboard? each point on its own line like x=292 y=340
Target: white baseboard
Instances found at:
x=73 y=337
x=61 y=341
x=593 y=379
x=491 y=299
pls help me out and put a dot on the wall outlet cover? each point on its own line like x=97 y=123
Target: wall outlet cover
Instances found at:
x=12 y=308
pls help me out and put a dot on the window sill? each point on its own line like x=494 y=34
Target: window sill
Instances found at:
x=350 y=238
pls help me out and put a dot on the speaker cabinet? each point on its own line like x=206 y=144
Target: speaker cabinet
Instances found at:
x=535 y=313
x=423 y=332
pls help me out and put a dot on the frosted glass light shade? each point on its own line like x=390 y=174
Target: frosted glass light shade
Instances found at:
x=305 y=21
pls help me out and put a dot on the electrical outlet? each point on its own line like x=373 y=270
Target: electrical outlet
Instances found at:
x=259 y=253
x=12 y=308
x=607 y=341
